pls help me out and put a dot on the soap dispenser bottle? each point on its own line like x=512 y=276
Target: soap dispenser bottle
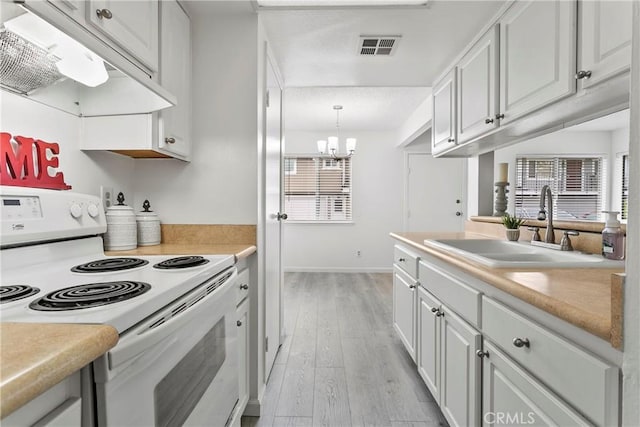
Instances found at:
x=612 y=237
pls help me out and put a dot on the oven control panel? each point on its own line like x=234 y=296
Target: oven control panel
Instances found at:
x=35 y=215
x=17 y=208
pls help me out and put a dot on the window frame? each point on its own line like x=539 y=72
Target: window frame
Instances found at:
x=320 y=166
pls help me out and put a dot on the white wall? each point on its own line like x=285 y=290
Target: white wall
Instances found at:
x=85 y=172
x=219 y=185
x=562 y=142
x=377 y=210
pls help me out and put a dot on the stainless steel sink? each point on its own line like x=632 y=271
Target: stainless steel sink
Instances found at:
x=505 y=254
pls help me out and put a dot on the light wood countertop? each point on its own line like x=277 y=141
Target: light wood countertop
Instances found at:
x=240 y=250
x=37 y=356
x=583 y=297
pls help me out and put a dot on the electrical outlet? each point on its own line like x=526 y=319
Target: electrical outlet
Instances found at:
x=106 y=194
x=358 y=253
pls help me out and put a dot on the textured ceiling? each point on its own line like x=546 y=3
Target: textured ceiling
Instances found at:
x=319 y=47
x=364 y=108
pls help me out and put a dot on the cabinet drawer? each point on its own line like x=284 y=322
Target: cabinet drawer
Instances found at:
x=462 y=299
x=586 y=382
x=406 y=260
x=243 y=286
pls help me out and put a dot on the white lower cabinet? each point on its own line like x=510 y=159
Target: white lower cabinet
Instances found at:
x=404 y=304
x=243 y=354
x=511 y=396
x=486 y=363
x=447 y=360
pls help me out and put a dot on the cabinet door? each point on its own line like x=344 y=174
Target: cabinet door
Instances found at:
x=428 y=345
x=72 y=8
x=459 y=371
x=604 y=39
x=175 y=73
x=477 y=88
x=404 y=298
x=537 y=55
x=444 y=114
x=511 y=396
x=243 y=354
x=131 y=24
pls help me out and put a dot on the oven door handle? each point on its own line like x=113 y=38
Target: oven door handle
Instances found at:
x=143 y=337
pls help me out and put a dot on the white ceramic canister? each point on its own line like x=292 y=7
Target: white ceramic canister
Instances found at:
x=121 y=227
x=148 y=226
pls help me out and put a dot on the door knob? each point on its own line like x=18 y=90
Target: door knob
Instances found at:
x=281 y=216
x=104 y=13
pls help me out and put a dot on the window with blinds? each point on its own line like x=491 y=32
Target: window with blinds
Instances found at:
x=576 y=184
x=317 y=189
x=624 y=206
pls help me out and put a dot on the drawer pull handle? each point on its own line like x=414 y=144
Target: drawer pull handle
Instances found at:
x=401 y=260
x=433 y=309
x=519 y=342
x=239 y=323
x=244 y=286
x=412 y=286
x=439 y=313
x=482 y=354
x=104 y=13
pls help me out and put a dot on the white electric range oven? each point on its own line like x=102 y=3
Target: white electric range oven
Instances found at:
x=176 y=360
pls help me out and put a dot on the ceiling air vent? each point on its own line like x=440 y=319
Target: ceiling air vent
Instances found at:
x=378 y=45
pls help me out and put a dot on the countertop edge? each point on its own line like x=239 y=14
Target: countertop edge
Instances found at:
x=587 y=321
x=28 y=383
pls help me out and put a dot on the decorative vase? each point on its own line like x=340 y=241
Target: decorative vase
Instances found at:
x=513 y=234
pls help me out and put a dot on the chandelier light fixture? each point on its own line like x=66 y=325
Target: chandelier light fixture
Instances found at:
x=330 y=146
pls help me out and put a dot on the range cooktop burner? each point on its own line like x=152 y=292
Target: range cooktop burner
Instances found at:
x=181 y=262
x=16 y=292
x=89 y=295
x=109 y=264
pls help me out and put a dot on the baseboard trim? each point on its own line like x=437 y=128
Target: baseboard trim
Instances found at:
x=252 y=409
x=338 y=269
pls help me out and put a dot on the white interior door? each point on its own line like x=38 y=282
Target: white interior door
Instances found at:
x=434 y=189
x=273 y=225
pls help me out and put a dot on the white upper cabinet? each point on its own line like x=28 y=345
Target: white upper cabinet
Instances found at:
x=537 y=55
x=175 y=75
x=133 y=25
x=604 y=40
x=477 y=88
x=444 y=114
x=72 y=8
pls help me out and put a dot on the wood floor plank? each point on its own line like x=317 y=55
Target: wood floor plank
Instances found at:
x=292 y=422
x=365 y=398
x=331 y=400
x=341 y=356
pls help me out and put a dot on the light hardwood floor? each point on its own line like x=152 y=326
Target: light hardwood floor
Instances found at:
x=341 y=363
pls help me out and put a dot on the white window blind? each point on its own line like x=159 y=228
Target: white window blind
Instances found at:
x=624 y=207
x=576 y=184
x=319 y=190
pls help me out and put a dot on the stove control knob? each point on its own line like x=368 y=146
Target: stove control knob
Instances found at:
x=93 y=210
x=75 y=210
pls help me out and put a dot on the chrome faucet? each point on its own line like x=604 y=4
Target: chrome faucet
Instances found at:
x=543 y=214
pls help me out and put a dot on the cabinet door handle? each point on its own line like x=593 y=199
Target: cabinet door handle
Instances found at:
x=170 y=140
x=451 y=140
x=499 y=116
x=520 y=342
x=439 y=313
x=482 y=354
x=458 y=213
x=104 y=13
x=239 y=323
x=488 y=120
x=401 y=260
x=582 y=74
x=244 y=286
x=434 y=309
